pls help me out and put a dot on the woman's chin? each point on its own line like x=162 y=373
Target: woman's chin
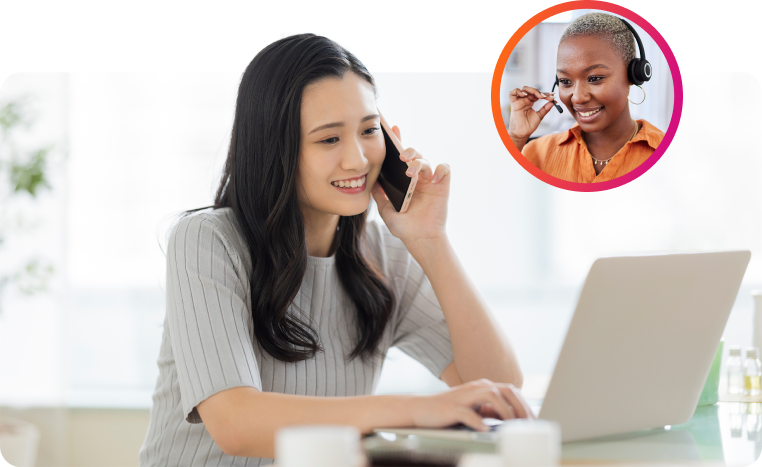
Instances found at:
x=354 y=207
x=592 y=127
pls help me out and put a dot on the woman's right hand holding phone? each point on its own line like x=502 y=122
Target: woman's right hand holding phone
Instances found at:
x=524 y=119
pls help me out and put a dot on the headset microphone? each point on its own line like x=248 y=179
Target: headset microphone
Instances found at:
x=560 y=110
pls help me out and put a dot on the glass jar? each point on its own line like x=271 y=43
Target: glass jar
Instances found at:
x=752 y=370
x=735 y=370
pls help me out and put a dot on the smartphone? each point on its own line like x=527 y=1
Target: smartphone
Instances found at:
x=393 y=179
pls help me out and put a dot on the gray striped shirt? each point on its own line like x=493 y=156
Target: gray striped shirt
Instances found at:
x=208 y=344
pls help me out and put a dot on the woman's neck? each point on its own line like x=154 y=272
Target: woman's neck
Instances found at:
x=606 y=143
x=320 y=230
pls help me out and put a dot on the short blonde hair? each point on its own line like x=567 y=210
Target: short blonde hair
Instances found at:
x=607 y=26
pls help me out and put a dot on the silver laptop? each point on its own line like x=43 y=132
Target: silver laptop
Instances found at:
x=639 y=346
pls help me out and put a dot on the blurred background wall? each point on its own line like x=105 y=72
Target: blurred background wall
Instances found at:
x=130 y=151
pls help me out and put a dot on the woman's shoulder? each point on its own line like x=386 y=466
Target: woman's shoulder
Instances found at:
x=380 y=236
x=538 y=149
x=205 y=226
x=650 y=133
x=389 y=250
x=221 y=219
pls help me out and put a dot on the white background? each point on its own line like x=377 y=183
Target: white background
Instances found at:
x=527 y=245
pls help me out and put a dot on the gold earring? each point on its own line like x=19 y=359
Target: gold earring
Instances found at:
x=637 y=103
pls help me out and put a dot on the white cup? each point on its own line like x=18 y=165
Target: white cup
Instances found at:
x=318 y=446
x=530 y=443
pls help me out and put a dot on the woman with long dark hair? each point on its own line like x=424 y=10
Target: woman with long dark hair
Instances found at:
x=283 y=293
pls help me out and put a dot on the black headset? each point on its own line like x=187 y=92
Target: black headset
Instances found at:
x=638 y=71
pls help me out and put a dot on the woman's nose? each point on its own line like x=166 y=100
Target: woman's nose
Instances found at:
x=580 y=94
x=353 y=157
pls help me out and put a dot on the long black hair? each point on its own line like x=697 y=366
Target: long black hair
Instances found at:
x=260 y=184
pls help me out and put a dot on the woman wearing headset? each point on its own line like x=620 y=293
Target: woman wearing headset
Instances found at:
x=594 y=59
x=283 y=294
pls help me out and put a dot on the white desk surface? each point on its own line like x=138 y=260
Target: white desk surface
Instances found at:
x=725 y=434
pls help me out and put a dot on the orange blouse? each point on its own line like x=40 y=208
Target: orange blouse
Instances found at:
x=564 y=155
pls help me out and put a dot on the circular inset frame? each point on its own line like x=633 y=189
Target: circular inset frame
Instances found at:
x=677 y=108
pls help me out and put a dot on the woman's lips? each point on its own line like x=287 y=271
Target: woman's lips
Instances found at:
x=588 y=115
x=351 y=185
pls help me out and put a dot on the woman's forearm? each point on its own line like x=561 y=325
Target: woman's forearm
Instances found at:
x=243 y=421
x=480 y=348
x=518 y=141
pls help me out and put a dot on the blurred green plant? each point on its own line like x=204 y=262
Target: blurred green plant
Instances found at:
x=22 y=174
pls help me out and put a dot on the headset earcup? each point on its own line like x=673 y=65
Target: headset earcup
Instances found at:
x=645 y=70
x=633 y=72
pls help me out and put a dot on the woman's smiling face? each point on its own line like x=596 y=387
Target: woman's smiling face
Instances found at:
x=342 y=147
x=592 y=79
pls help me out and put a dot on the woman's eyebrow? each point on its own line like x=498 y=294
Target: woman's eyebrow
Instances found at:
x=592 y=67
x=341 y=124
